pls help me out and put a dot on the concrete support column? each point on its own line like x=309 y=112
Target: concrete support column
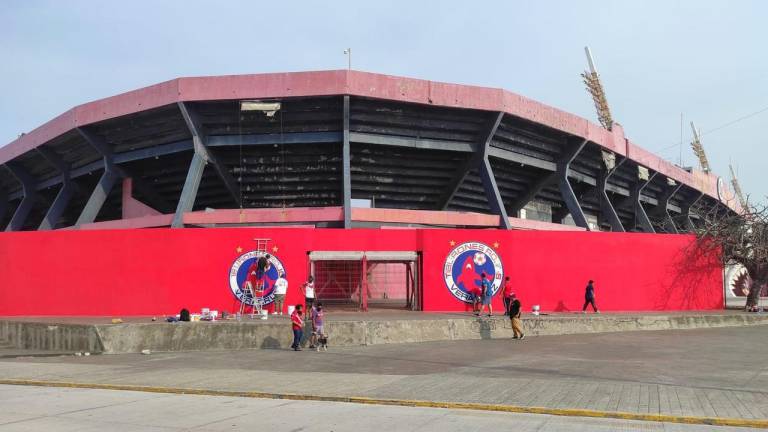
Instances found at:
x=189 y=191
x=641 y=217
x=566 y=191
x=346 y=168
x=495 y=202
x=607 y=211
x=686 y=212
x=662 y=208
x=3 y=203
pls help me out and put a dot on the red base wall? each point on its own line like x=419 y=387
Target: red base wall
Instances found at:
x=159 y=271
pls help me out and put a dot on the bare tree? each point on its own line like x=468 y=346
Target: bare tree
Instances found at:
x=737 y=238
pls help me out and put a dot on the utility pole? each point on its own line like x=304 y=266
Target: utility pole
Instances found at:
x=348 y=52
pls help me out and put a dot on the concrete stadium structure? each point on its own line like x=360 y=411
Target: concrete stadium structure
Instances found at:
x=189 y=153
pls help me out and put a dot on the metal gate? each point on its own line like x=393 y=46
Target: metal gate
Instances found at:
x=367 y=279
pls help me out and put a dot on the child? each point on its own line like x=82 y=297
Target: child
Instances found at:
x=297 y=324
x=477 y=298
x=318 y=332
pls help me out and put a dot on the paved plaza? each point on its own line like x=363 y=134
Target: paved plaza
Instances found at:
x=702 y=373
x=57 y=409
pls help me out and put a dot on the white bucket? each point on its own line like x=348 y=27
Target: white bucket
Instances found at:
x=291 y=309
x=535 y=309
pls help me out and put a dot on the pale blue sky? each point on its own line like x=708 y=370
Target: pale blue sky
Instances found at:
x=706 y=59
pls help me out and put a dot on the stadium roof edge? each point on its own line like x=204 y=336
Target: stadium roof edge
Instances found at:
x=354 y=83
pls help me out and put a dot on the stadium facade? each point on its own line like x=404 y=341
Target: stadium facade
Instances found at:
x=351 y=176
x=323 y=140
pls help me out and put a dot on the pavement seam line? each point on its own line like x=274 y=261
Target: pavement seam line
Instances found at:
x=568 y=412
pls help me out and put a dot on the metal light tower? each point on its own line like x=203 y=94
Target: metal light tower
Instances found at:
x=595 y=88
x=698 y=149
x=737 y=188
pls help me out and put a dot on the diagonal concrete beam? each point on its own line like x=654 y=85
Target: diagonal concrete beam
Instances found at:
x=28 y=185
x=107 y=181
x=200 y=145
x=485 y=170
x=480 y=150
x=189 y=192
x=531 y=193
x=67 y=191
x=479 y=160
x=662 y=208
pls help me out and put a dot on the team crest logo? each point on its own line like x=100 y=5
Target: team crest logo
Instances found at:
x=245 y=271
x=464 y=265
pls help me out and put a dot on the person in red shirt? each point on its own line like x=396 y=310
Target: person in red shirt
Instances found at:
x=507 y=295
x=477 y=298
x=297 y=324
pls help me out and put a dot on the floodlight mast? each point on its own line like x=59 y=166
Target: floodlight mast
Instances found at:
x=698 y=149
x=737 y=188
x=596 y=90
x=590 y=60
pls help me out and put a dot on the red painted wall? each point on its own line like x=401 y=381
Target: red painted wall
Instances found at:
x=159 y=271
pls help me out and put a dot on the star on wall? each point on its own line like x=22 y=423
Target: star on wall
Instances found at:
x=495 y=245
x=452 y=243
x=239 y=249
x=274 y=249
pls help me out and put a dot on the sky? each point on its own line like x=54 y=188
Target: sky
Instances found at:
x=706 y=60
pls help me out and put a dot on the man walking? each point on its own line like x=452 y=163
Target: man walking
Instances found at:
x=514 y=316
x=589 y=298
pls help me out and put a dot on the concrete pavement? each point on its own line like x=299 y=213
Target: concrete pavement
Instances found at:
x=706 y=372
x=58 y=409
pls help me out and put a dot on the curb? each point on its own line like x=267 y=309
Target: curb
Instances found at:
x=569 y=412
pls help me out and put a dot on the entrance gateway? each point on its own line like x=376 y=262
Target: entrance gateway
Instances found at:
x=358 y=279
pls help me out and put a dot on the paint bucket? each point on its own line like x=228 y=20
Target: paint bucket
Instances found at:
x=291 y=309
x=535 y=309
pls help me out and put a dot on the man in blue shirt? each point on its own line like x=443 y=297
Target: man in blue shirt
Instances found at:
x=486 y=291
x=589 y=298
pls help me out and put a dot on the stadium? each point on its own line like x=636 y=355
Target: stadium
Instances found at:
x=378 y=180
